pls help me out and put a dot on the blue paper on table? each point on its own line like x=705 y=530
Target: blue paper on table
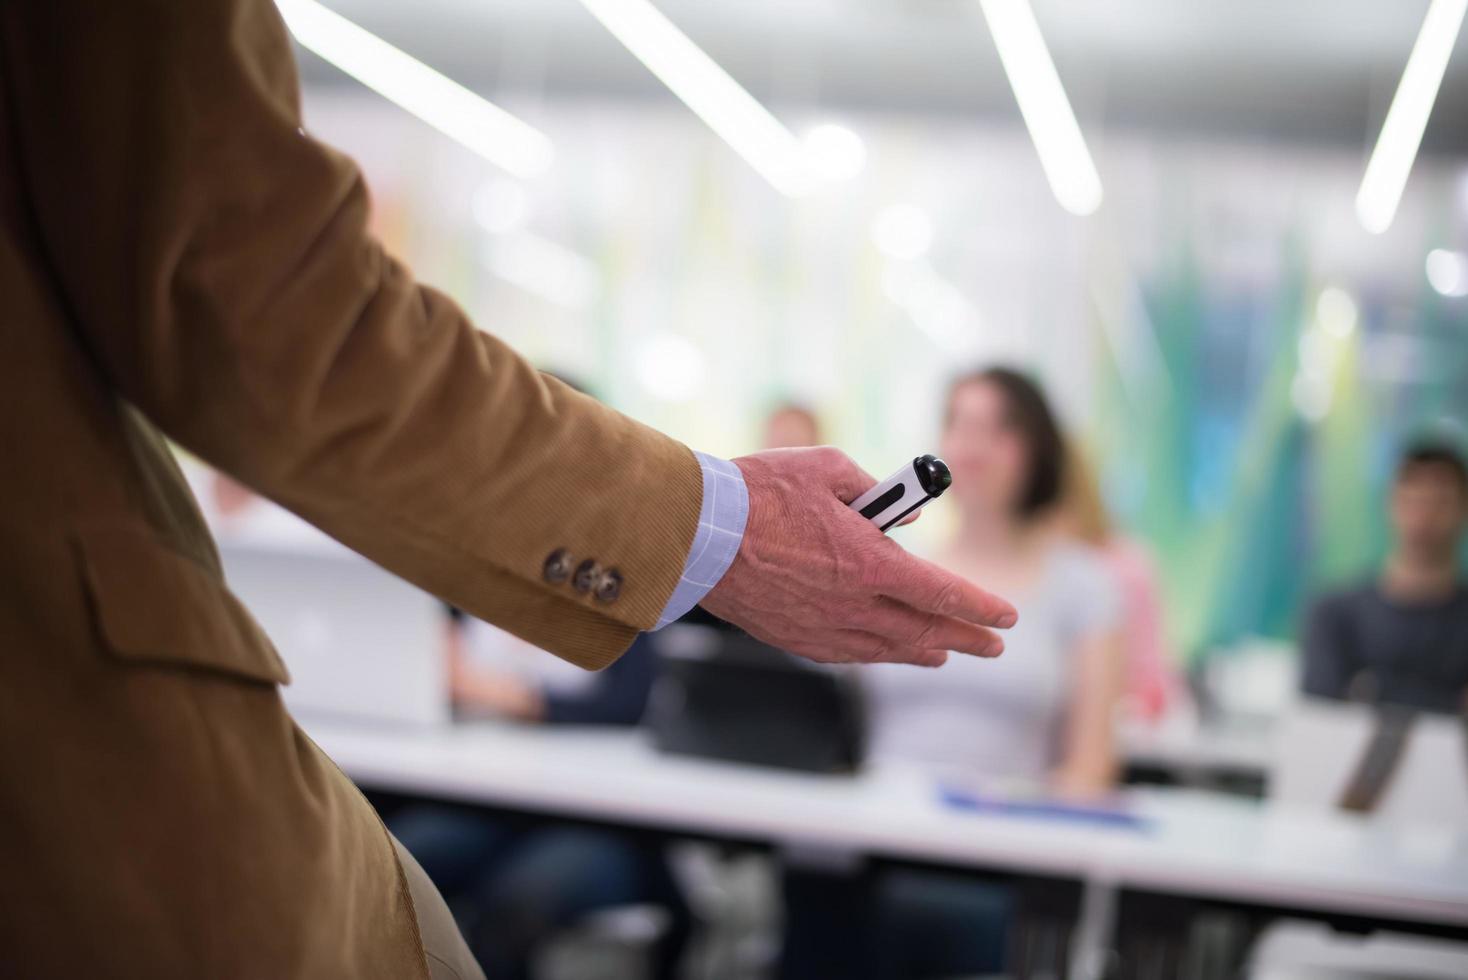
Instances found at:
x=1112 y=815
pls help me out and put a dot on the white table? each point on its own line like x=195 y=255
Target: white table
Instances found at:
x=1196 y=845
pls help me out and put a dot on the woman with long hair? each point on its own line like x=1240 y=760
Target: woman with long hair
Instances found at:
x=1039 y=717
x=1042 y=713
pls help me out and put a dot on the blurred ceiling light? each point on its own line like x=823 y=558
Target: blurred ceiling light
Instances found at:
x=670 y=367
x=434 y=98
x=835 y=152
x=1042 y=102
x=1312 y=388
x=1448 y=272
x=1311 y=395
x=731 y=112
x=902 y=231
x=1406 y=120
x=1323 y=348
x=501 y=206
x=1335 y=311
x=1314 y=351
x=549 y=270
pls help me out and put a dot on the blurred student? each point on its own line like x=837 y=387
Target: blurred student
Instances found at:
x=513 y=886
x=1040 y=719
x=1043 y=716
x=1152 y=685
x=1402 y=637
x=791 y=424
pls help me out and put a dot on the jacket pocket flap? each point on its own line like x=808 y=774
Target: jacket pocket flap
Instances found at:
x=154 y=605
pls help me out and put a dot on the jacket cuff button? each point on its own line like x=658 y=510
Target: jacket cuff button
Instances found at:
x=609 y=586
x=557 y=566
x=587 y=574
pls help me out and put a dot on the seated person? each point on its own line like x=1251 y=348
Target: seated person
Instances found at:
x=1040 y=715
x=492 y=674
x=791 y=424
x=511 y=885
x=1402 y=637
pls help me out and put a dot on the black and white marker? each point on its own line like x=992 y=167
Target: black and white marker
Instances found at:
x=904 y=492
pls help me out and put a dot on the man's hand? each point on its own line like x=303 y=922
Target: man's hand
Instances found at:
x=817 y=579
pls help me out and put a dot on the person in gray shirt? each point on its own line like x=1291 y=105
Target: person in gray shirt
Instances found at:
x=1403 y=638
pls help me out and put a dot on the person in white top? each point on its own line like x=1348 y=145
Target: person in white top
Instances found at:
x=1042 y=714
x=1038 y=719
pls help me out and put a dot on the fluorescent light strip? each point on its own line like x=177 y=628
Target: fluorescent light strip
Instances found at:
x=1042 y=103
x=731 y=112
x=434 y=98
x=1406 y=120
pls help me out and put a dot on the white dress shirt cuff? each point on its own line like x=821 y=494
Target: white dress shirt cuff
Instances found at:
x=721 y=521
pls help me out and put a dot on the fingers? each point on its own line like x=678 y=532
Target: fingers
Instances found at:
x=907 y=626
x=817 y=579
x=860 y=646
x=928 y=588
x=918 y=658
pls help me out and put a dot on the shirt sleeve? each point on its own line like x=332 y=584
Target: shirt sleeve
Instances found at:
x=721 y=521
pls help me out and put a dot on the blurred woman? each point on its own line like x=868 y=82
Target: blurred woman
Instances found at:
x=1041 y=714
x=1038 y=718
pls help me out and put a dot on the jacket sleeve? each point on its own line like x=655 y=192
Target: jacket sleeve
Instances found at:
x=216 y=264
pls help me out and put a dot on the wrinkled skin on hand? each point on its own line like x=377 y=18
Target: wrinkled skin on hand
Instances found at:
x=817 y=579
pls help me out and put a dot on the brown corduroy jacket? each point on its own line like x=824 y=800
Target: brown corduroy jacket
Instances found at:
x=178 y=256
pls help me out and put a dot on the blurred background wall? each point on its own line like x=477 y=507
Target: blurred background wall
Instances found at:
x=1241 y=358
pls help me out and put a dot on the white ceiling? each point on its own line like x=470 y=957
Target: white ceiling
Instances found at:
x=1311 y=70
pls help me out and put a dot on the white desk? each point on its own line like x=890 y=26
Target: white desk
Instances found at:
x=1200 y=846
